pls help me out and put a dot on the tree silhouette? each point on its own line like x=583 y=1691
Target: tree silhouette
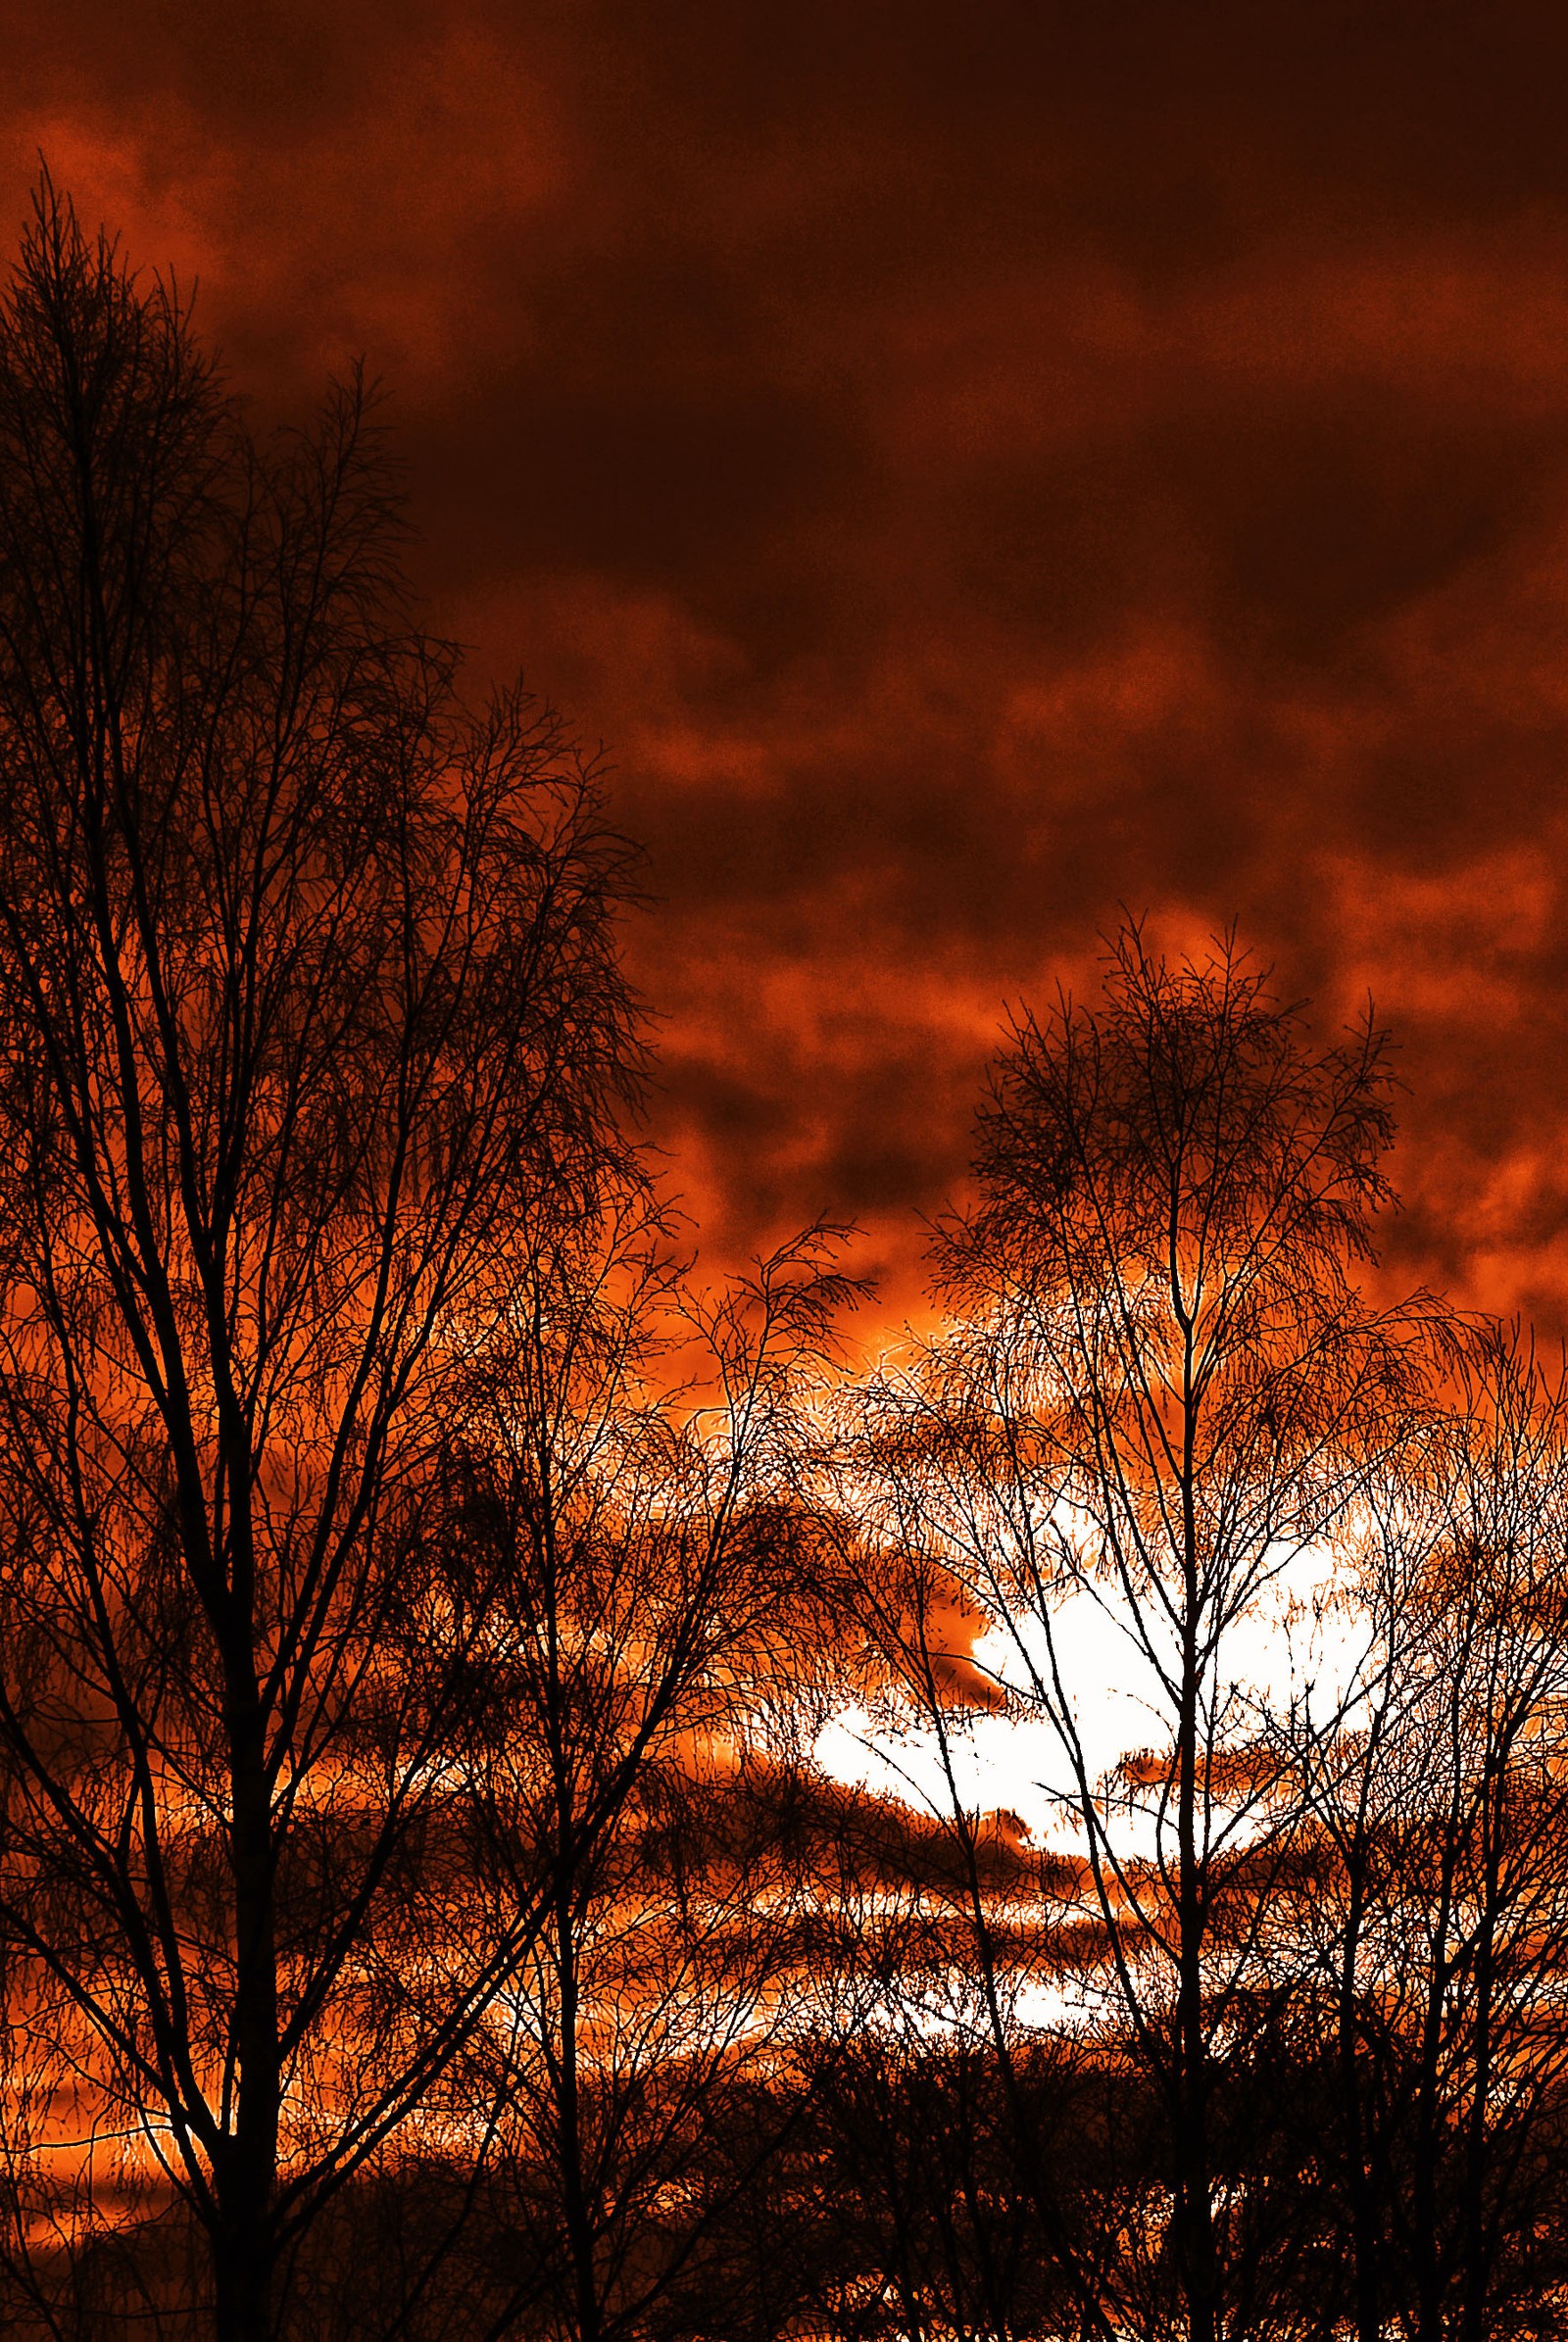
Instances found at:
x=1162 y=1385
x=645 y=1693
x=1434 y=1922
x=423 y=1909
x=312 y=1009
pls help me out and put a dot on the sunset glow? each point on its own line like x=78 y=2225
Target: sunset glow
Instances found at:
x=783 y=1173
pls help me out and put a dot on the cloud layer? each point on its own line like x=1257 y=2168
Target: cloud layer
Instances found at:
x=975 y=468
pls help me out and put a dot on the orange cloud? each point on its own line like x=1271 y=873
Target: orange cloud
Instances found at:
x=973 y=477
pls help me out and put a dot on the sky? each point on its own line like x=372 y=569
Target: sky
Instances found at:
x=976 y=469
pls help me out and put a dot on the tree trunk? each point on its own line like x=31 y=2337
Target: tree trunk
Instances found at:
x=1475 y=2242
x=247 y=2180
x=242 y=2272
x=576 y=2204
x=1431 y=2137
x=1360 y=2197
x=1194 y=2215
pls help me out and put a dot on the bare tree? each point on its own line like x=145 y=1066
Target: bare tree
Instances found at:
x=310 y=1012
x=1436 y=1915
x=646 y=1686
x=994 y=1919
x=1160 y=1384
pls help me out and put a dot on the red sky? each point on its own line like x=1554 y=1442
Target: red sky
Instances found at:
x=974 y=466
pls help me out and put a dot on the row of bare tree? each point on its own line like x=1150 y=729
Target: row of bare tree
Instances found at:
x=423 y=1909
x=1308 y=1906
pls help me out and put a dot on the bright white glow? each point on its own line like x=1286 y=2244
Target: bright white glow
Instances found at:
x=1299 y=1640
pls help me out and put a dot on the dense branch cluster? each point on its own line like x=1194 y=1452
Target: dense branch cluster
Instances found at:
x=424 y=1909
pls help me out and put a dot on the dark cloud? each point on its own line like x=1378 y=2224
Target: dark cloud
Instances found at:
x=975 y=468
